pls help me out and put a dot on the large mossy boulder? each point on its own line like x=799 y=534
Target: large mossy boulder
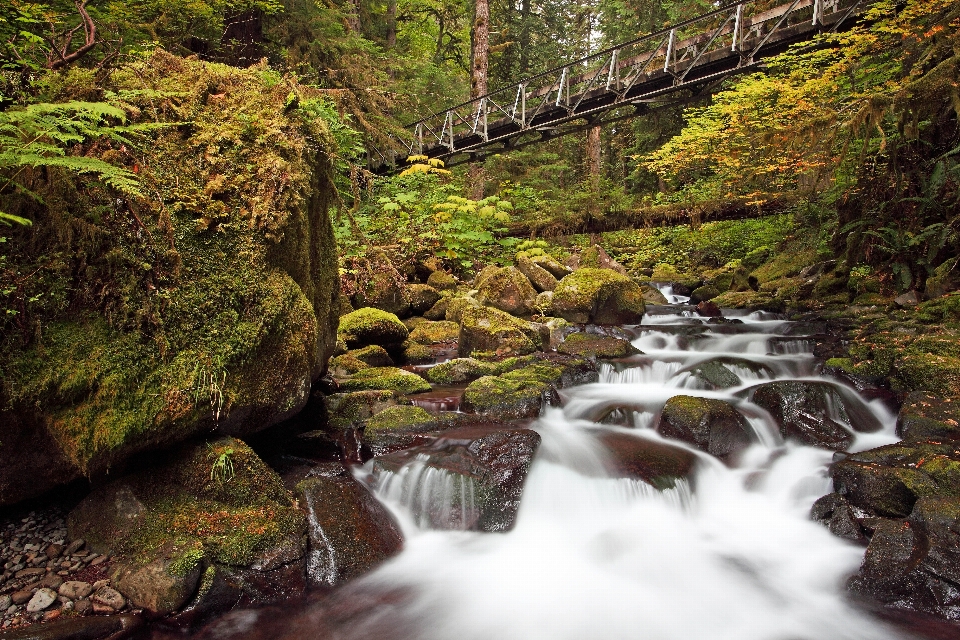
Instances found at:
x=346 y=410
x=509 y=290
x=710 y=425
x=553 y=267
x=819 y=414
x=596 y=346
x=389 y=378
x=516 y=394
x=596 y=257
x=491 y=330
x=442 y=281
x=384 y=291
x=204 y=508
x=925 y=416
x=230 y=278
x=420 y=297
x=540 y=278
x=368 y=326
x=461 y=370
x=435 y=332
x=476 y=481
x=351 y=532
x=598 y=296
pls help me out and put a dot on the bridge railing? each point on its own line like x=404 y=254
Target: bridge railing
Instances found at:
x=630 y=73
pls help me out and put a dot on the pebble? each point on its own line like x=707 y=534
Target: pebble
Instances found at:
x=52 y=580
x=21 y=597
x=41 y=600
x=109 y=598
x=82 y=607
x=75 y=589
x=5 y=602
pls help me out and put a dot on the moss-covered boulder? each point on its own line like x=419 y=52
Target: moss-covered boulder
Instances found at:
x=936 y=373
x=701 y=294
x=596 y=346
x=480 y=472
x=925 y=416
x=351 y=532
x=515 y=394
x=819 y=414
x=599 y=296
x=710 y=425
x=204 y=508
x=442 y=281
x=435 y=332
x=368 y=326
x=346 y=410
x=461 y=370
x=596 y=257
x=414 y=353
x=552 y=267
x=439 y=310
x=345 y=366
x=390 y=378
x=664 y=272
x=420 y=297
x=509 y=290
x=652 y=295
x=492 y=330
x=373 y=355
x=540 y=278
x=384 y=291
x=230 y=276
x=457 y=307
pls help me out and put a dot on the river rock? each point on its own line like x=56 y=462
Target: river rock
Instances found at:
x=109 y=598
x=78 y=628
x=491 y=330
x=710 y=425
x=389 y=378
x=516 y=394
x=708 y=309
x=420 y=297
x=842 y=518
x=718 y=373
x=461 y=370
x=819 y=414
x=346 y=410
x=442 y=331
x=596 y=346
x=383 y=291
x=541 y=279
x=210 y=503
x=598 y=296
x=659 y=464
x=653 y=295
x=490 y=465
x=368 y=326
x=509 y=290
x=41 y=600
x=75 y=589
x=350 y=531
x=442 y=281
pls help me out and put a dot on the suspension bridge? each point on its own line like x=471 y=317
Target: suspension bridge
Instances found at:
x=689 y=58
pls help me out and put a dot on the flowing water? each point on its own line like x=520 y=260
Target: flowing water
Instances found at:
x=593 y=556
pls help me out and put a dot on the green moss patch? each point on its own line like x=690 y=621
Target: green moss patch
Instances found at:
x=590 y=345
x=372 y=326
x=389 y=378
x=435 y=332
x=401 y=418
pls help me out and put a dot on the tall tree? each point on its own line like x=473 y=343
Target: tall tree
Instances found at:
x=480 y=63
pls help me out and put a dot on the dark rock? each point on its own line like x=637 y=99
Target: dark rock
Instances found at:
x=350 y=531
x=909 y=299
x=159 y=587
x=815 y=413
x=703 y=294
x=710 y=425
x=420 y=297
x=442 y=281
x=107 y=628
x=925 y=416
x=837 y=514
x=716 y=373
x=657 y=463
x=487 y=464
x=709 y=309
x=509 y=290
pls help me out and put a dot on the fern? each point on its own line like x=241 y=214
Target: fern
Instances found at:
x=39 y=136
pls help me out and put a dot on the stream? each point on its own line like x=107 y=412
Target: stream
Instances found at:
x=731 y=554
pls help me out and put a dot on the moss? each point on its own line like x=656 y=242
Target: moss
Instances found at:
x=346 y=365
x=928 y=372
x=400 y=417
x=942 y=309
x=372 y=326
x=415 y=353
x=458 y=306
x=844 y=364
x=668 y=273
x=346 y=410
x=442 y=281
x=598 y=295
x=585 y=344
x=461 y=370
x=509 y=290
x=743 y=299
x=706 y=292
x=420 y=297
x=488 y=329
x=785 y=265
x=505 y=397
x=435 y=332
x=187 y=561
x=389 y=378
x=373 y=355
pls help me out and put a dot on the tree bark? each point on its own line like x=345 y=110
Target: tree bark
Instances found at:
x=593 y=153
x=391 y=24
x=353 y=18
x=481 y=50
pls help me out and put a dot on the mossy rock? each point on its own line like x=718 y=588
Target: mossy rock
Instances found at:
x=505 y=398
x=928 y=416
x=346 y=365
x=461 y=370
x=943 y=309
x=553 y=267
x=420 y=297
x=458 y=306
x=730 y=277
x=595 y=257
x=706 y=292
x=488 y=329
x=389 y=378
x=785 y=264
x=401 y=417
x=709 y=424
x=372 y=326
x=442 y=281
x=595 y=346
x=346 y=410
x=747 y=300
x=929 y=372
x=669 y=273
x=383 y=291
x=374 y=355
x=207 y=503
x=435 y=332
x=415 y=353
x=725 y=372
x=652 y=295
x=509 y=290
x=599 y=296
x=541 y=279
x=439 y=310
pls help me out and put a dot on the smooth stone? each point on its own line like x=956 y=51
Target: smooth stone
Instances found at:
x=21 y=597
x=76 y=589
x=41 y=600
x=109 y=598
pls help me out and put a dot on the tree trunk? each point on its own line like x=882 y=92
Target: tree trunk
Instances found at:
x=353 y=18
x=481 y=50
x=391 y=24
x=593 y=153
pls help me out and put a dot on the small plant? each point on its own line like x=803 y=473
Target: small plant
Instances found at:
x=209 y=384
x=222 y=469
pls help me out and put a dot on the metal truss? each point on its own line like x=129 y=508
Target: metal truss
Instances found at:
x=692 y=56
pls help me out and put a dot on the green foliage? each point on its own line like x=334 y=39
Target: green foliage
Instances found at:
x=222 y=468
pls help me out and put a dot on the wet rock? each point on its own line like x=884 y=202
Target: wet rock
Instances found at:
x=925 y=416
x=41 y=600
x=719 y=373
x=598 y=296
x=74 y=628
x=368 y=326
x=350 y=531
x=442 y=281
x=389 y=378
x=420 y=297
x=710 y=425
x=541 y=279
x=652 y=295
x=461 y=370
x=709 y=309
x=109 y=598
x=488 y=465
x=209 y=503
x=509 y=290
x=596 y=346
x=491 y=330
x=21 y=597
x=515 y=394
x=658 y=464
x=815 y=413
x=842 y=519
x=350 y=409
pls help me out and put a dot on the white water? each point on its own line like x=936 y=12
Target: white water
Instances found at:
x=598 y=557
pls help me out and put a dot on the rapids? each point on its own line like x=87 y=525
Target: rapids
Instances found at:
x=735 y=556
